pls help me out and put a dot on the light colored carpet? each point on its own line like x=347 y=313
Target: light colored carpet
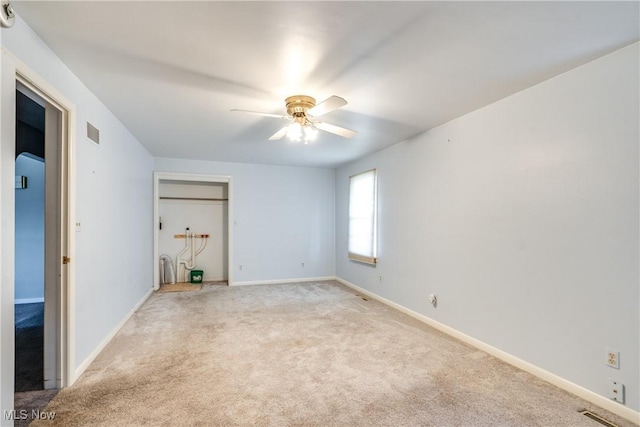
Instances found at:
x=180 y=287
x=308 y=354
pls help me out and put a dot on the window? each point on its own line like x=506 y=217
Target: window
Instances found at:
x=363 y=217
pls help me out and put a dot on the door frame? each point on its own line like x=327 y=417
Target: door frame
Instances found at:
x=190 y=177
x=52 y=215
x=18 y=71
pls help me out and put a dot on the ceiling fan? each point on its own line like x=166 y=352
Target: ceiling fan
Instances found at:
x=303 y=112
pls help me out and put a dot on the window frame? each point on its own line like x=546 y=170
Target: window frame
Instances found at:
x=372 y=219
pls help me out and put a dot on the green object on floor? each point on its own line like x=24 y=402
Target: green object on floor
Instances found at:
x=196 y=276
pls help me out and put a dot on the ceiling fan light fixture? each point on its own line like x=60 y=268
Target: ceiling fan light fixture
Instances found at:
x=297 y=132
x=294 y=132
x=310 y=133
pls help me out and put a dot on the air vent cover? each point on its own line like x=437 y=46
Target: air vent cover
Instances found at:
x=93 y=133
x=597 y=418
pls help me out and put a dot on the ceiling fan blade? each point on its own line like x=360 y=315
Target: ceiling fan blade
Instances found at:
x=326 y=106
x=337 y=130
x=278 y=135
x=277 y=116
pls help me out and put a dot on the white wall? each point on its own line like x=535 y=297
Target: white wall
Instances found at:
x=202 y=217
x=114 y=203
x=523 y=218
x=283 y=217
x=29 y=255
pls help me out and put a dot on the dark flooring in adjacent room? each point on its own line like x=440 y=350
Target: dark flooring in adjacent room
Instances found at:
x=29 y=364
x=29 y=320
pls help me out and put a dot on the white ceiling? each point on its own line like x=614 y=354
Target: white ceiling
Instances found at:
x=171 y=71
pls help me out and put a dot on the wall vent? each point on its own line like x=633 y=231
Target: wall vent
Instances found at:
x=598 y=418
x=93 y=133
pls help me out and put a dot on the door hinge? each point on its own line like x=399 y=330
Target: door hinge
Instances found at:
x=66 y=260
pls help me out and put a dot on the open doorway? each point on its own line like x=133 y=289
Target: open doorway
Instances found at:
x=29 y=242
x=39 y=238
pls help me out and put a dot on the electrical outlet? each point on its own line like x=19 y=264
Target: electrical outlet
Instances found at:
x=240 y=267
x=302 y=264
x=616 y=391
x=613 y=359
x=380 y=278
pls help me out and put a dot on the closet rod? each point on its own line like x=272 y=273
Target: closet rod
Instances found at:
x=193 y=198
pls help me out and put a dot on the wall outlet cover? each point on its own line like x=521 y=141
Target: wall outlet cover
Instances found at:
x=613 y=358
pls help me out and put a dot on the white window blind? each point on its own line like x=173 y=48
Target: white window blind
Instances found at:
x=363 y=218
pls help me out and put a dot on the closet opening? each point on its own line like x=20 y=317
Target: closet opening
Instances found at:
x=192 y=232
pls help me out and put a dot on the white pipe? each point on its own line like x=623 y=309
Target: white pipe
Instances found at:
x=178 y=262
x=192 y=260
x=183 y=271
x=202 y=245
x=187 y=264
x=190 y=265
x=182 y=262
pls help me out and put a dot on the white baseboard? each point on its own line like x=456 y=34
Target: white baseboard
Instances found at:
x=85 y=364
x=28 y=300
x=554 y=379
x=273 y=282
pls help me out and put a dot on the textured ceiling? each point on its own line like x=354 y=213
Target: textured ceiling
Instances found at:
x=171 y=71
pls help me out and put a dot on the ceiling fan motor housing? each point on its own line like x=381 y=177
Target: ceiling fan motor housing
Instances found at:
x=298 y=105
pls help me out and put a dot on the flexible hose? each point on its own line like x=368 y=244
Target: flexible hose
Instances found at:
x=166 y=263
